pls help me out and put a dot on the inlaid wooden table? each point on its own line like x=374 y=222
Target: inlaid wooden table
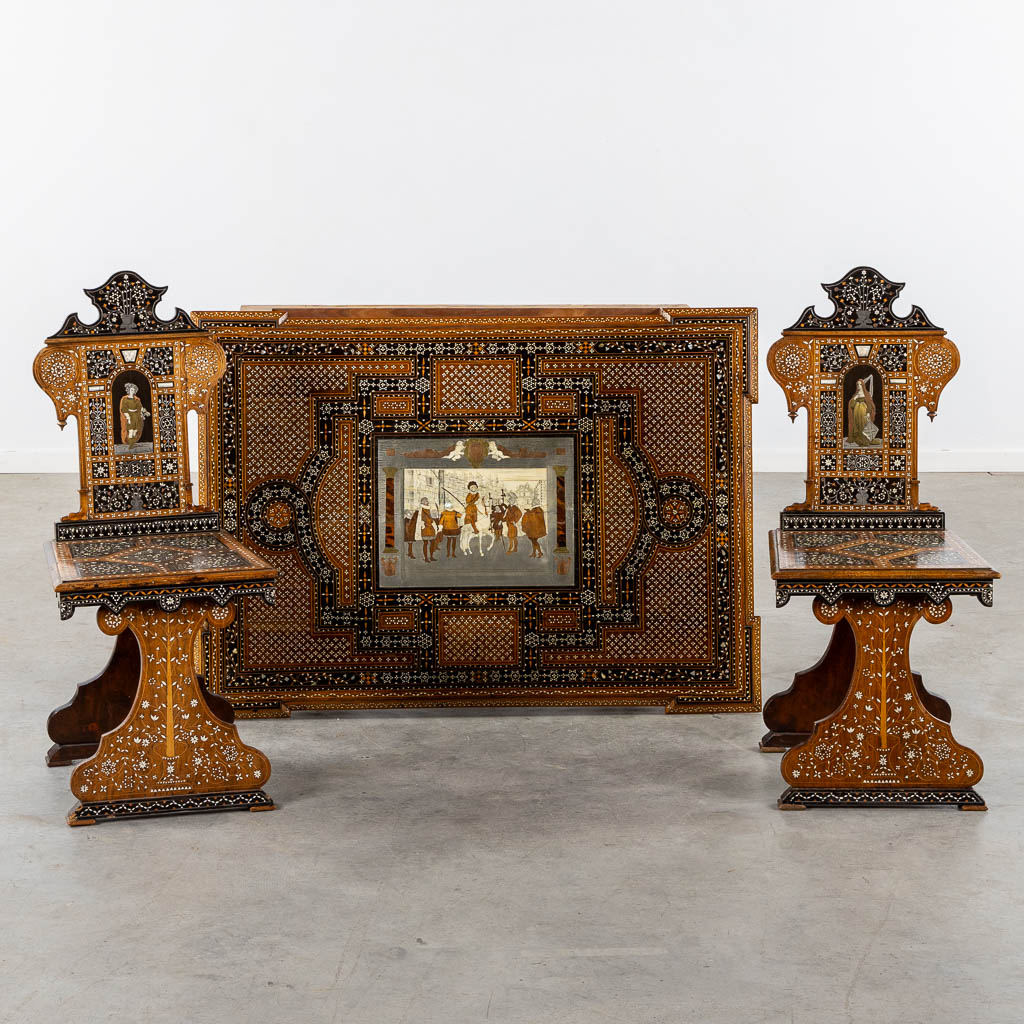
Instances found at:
x=861 y=729
x=171 y=754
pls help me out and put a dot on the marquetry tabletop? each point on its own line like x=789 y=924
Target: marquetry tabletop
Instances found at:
x=113 y=571
x=875 y=554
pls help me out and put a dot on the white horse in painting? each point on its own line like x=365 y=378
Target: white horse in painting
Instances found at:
x=467 y=536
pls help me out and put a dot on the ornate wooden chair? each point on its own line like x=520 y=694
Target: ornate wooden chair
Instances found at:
x=157 y=566
x=859 y=727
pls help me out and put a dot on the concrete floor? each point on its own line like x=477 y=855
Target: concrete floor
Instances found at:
x=536 y=867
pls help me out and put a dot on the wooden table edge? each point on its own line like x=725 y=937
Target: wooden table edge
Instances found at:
x=259 y=571
x=980 y=573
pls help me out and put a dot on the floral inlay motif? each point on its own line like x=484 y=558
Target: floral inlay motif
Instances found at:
x=170 y=743
x=882 y=735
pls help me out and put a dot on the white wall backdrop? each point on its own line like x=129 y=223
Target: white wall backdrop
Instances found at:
x=718 y=153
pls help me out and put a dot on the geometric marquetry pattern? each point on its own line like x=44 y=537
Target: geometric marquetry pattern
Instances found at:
x=272 y=636
x=276 y=442
x=882 y=550
x=476 y=386
x=657 y=609
x=909 y=796
x=127 y=556
x=877 y=564
x=478 y=638
x=676 y=429
x=335 y=512
x=679 y=627
x=678 y=616
x=190 y=561
x=620 y=510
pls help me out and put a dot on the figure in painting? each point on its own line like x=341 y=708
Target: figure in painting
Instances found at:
x=450 y=529
x=513 y=513
x=535 y=528
x=133 y=415
x=861 y=429
x=474 y=506
x=422 y=526
x=472 y=512
x=497 y=517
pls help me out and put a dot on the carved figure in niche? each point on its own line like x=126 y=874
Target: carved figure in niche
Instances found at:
x=422 y=526
x=862 y=428
x=133 y=416
x=450 y=529
x=472 y=512
x=534 y=527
